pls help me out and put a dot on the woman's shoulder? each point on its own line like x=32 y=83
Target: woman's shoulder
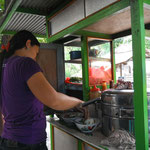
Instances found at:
x=20 y=59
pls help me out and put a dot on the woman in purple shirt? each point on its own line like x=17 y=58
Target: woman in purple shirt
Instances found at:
x=24 y=90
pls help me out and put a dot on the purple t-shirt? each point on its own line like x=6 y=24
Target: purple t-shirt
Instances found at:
x=25 y=121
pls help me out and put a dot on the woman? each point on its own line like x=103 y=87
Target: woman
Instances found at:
x=24 y=91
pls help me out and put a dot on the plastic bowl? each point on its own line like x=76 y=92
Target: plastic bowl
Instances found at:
x=69 y=118
x=87 y=126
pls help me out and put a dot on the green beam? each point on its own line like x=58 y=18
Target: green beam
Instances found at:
x=85 y=70
x=14 y=32
x=147 y=2
x=46 y=29
x=30 y=11
x=93 y=34
x=13 y=9
x=140 y=94
x=91 y=19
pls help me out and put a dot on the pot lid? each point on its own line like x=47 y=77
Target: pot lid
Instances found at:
x=126 y=91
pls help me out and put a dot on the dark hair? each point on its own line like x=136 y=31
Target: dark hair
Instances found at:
x=18 y=41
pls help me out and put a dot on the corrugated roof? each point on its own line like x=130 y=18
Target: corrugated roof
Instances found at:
x=30 y=22
x=28 y=18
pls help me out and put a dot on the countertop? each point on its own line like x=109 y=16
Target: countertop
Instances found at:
x=93 y=140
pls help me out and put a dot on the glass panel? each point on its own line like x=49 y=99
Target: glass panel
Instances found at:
x=73 y=64
x=99 y=61
x=124 y=58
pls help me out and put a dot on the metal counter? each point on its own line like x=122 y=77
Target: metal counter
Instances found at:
x=93 y=140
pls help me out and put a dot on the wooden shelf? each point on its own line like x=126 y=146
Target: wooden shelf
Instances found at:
x=98 y=59
x=75 y=61
x=79 y=61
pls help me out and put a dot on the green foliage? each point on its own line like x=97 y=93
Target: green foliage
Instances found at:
x=103 y=49
x=118 y=42
x=73 y=69
x=1 y=5
x=147 y=44
x=128 y=40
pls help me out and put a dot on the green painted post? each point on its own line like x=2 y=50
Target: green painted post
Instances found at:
x=52 y=138
x=140 y=95
x=13 y=9
x=79 y=145
x=85 y=70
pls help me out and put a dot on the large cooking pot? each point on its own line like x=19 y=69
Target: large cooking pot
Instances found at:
x=118 y=110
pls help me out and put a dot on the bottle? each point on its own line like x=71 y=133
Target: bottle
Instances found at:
x=111 y=84
x=104 y=86
x=95 y=92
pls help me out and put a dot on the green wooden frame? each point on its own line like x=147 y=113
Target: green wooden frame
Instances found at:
x=140 y=93
x=85 y=70
x=140 y=96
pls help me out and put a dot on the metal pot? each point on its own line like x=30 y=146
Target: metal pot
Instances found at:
x=118 y=110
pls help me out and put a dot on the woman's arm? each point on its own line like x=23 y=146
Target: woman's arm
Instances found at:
x=43 y=91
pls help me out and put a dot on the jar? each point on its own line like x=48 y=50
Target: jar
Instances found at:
x=104 y=86
x=95 y=92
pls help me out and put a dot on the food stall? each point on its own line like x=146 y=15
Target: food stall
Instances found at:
x=66 y=22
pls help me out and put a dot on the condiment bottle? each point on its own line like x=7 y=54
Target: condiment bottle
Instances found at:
x=95 y=92
x=111 y=84
x=104 y=85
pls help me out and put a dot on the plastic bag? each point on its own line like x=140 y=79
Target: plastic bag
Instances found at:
x=120 y=139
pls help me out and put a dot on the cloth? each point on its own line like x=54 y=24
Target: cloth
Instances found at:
x=12 y=145
x=25 y=121
x=120 y=139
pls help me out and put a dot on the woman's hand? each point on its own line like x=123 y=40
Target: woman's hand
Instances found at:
x=84 y=110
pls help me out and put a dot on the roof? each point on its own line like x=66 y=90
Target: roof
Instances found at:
x=29 y=15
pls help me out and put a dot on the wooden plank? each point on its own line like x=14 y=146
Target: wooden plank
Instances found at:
x=93 y=34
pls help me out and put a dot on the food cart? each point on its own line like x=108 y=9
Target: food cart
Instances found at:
x=63 y=21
